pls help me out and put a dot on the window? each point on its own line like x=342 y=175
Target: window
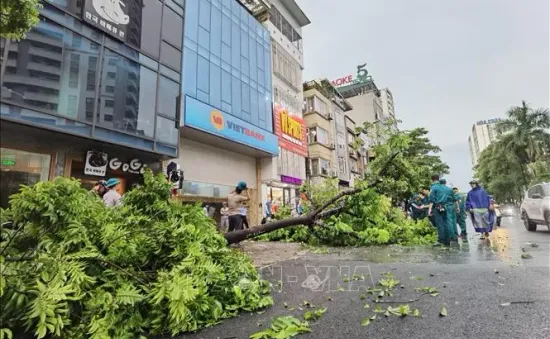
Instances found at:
x=167 y=131
x=144 y=31
x=21 y=168
x=108 y=117
x=38 y=76
x=170 y=56
x=284 y=27
x=167 y=97
x=172 y=27
x=320 y=166
x=111 y=75
x=72 y=102
x=318 y=135
x=109 y=103
x=133 y=95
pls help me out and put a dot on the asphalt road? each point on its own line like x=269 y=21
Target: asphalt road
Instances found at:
x=488 y=289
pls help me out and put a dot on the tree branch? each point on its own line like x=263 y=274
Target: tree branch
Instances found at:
x=309 y=219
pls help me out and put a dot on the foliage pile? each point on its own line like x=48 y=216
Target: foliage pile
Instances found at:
x=521 y=155
x=367 y=219
x=73 y=268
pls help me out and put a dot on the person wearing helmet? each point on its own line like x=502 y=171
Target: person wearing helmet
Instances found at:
x=99 y=188
x=478 y=204
x=112 y=198
x=235 y=201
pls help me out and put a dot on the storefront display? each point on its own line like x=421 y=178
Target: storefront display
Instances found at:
x=99 y=166
x=21 y=168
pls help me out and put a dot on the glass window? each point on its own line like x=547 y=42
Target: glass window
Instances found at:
x=52 y=64
x=167 y=131
x=172 y=28
x=132 y=93
x=167 y=97
x=71 y=6
x=21 y=168
x=170 y=56
x=318 y=134
x=320 y=166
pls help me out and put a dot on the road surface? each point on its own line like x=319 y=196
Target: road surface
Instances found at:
x=487 y=288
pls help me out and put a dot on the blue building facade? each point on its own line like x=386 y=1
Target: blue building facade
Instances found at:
x=226 y=76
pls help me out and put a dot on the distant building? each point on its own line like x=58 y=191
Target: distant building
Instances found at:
x=483 y=134
x=388 y=108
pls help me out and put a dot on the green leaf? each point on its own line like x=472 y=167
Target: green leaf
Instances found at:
x=365 y=322
x=416 y=312
x=366 y=306
x=443 y=312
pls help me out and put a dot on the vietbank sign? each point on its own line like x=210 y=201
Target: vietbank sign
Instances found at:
x=204 y=117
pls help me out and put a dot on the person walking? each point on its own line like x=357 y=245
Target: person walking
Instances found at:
x=438 y=200
x=478 y=204
x=112 y=198
x=235 y=200
x=224 y=223
x=461 y=215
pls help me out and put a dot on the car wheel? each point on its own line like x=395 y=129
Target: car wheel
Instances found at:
x=547 y=218
x=529 y=225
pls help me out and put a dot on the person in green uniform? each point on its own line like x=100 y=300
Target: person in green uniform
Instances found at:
x=461 y=215
x=451 y=208
x=426 y=204
x=438 y=200
x=415 y=203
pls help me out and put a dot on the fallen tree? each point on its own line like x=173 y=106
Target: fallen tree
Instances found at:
x=315 y=217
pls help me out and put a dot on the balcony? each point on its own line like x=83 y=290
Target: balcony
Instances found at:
x=352 y=153
x=259 y=9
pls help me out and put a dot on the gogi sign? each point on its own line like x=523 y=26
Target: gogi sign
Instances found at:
x=134 y=166
x=108 y=15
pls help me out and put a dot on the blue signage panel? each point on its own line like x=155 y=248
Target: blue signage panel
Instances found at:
x=209 y=119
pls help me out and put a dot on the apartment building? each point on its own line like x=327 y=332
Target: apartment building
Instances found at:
x=324 y=114
x=483 y=134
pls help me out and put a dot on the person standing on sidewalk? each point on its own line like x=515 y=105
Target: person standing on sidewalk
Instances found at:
x=243 y=212
x=461 y=215
x=224 y=224
x=235 y=200
x=438 y=200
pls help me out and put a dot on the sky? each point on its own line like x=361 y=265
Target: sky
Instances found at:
x=448 y=63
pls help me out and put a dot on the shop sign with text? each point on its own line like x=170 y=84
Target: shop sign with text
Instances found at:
x=110 y=16
x=291 y=131
x=291 y=180
x=134 y=166
x=206 y=118
x=362 y=76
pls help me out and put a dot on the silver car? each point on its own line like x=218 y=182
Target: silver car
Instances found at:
x=535 y=209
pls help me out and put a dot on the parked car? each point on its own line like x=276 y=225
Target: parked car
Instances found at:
x=535 y=208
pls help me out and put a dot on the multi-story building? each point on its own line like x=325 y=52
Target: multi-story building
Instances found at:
x=388 y=108
x=483 y=134
x=324 y=113
x=282 y=175
x=91 y=97
x=227 y=120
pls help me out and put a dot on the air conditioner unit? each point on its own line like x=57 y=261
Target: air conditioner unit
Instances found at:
x=331 y=146
x=334 y=173
x=351 y=152
x=330 y=116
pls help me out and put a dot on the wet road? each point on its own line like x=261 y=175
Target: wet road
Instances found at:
x=487 y=288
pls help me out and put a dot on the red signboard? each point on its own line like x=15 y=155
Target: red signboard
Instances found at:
x=291 y=131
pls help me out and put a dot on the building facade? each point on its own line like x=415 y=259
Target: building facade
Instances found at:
x=325 y=117
x=482 y=135
x=281 y=176
x=91 y=97
x=388 y=107
x=227 y=116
